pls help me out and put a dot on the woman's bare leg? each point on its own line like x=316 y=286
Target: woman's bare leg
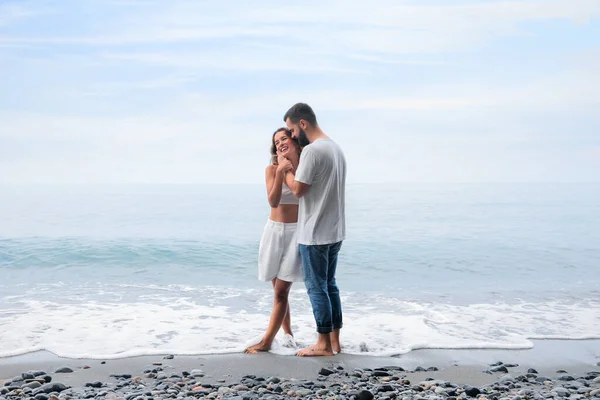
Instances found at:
x=287 y=322
x=278 y=316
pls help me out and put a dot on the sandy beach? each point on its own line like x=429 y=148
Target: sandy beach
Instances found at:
x=219 y=374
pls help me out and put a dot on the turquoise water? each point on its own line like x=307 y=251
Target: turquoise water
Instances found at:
x=108 y=271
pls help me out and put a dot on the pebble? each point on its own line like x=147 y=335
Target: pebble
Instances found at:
x=224 y=390
x=562 y=392
x=304 y=392
x=64 y=370
x=120 y=376
x=330 y=383
x=566 y=378
x=50 y=387
x=365 y=395
x=472 y=392
x=32 y=385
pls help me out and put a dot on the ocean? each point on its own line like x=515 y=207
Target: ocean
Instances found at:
x=115 y=271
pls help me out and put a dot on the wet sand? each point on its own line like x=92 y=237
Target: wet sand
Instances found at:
x=459 y=366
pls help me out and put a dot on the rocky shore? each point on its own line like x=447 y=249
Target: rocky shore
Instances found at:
x=160 y=381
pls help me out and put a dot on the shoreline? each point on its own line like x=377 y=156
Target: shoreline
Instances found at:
x=460 y=366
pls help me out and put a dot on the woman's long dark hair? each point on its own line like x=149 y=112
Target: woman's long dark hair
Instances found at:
x=274 y=148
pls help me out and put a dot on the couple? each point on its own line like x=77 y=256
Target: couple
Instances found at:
x=304 y=233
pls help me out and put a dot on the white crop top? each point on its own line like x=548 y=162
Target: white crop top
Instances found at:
x=287 y=197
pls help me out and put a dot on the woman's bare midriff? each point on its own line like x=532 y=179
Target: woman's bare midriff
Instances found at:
x=287 y=213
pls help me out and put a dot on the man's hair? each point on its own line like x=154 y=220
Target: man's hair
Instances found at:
x=301 y=111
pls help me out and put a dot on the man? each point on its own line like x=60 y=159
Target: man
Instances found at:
x=320 y=184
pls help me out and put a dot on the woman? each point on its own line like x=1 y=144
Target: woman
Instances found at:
x=278 y=257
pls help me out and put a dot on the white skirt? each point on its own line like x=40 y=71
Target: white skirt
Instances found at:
x=278 y=255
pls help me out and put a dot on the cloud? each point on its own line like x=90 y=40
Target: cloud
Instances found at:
x=155 y=91
x=11 y=13
x=245 y=59
x=475 y=134
x=381 y=26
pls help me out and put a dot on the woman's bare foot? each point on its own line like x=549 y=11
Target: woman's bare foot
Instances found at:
x=315 y=350
x=288 y=341
x=258 y=348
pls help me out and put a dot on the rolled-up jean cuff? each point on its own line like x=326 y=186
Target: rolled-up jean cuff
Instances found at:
x=338 y=326
x=324 y=329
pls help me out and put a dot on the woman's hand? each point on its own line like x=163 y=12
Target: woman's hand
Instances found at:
x=284 y=165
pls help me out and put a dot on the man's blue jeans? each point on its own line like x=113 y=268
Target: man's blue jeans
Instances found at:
x=319 y=263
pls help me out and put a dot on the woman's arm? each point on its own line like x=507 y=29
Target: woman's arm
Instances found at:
x=274 y=180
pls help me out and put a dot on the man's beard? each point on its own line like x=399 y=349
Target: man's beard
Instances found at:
x=302 y=139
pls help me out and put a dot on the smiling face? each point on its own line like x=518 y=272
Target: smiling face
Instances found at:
x=283 y=144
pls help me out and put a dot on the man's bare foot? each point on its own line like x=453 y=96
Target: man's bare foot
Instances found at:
x=258 y=348
x=336 y=347
x=335 y=341
x=315 y=350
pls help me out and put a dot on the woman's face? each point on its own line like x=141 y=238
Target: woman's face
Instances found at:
x=284 y=144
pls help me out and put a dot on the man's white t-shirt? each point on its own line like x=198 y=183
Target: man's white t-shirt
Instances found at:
x=321 y=216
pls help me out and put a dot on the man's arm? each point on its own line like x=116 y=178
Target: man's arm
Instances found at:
x=300 y=180
x=299 y=189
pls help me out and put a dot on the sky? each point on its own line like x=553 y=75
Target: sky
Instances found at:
x=144 y=91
